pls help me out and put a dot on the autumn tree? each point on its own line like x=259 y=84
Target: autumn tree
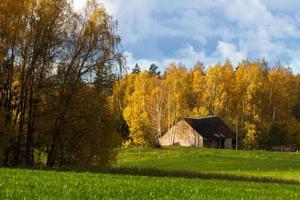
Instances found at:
x=137 y=115
x=198 y=91
x=218 y=88
x=45 y=67
x=91 y=45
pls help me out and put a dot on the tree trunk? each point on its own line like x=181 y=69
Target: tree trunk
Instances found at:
x=52 y=154
x=29 y=157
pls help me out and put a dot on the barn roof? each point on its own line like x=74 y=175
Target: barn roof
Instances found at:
x=211 y=127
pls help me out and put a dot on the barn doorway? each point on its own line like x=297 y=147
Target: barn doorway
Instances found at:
x=221 y=143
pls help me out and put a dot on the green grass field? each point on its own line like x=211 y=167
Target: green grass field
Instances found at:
x=244 y=163
x=33 y=184
x=40 y=184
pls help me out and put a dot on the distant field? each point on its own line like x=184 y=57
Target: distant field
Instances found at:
x=246 y=163
x=31 y=184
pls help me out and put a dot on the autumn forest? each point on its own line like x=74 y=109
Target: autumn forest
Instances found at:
x=67 y=97
x=260 y=103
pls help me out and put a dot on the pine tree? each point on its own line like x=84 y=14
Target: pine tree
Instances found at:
x=136 y=69
x=153 y=70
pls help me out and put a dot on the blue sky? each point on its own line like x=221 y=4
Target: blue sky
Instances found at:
x=164 y=31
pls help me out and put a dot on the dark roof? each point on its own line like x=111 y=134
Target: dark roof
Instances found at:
x=212 y=127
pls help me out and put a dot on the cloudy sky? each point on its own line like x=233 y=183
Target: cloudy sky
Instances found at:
x=164 y=31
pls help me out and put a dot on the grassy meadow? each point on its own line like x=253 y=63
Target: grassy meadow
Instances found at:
x=245 y=163
x=35 y=184
x=110 y=184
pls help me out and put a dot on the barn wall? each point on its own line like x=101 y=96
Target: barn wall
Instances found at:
x=182 y=134
x=228 y=144
x=215 y=144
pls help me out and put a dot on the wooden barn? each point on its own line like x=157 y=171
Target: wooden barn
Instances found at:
x=209 y=132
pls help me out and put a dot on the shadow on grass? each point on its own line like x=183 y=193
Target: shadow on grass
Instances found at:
x=172 y=173
x=195 y=175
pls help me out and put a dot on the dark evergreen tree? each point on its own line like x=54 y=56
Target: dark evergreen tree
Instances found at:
x=153 y=70
x=136 y=69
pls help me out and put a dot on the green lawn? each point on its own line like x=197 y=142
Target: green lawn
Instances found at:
x=246 y=163
x=33 y=184
x=39 y=184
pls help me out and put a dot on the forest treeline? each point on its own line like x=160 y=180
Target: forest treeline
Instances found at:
x=57 y=68
x=260 y=103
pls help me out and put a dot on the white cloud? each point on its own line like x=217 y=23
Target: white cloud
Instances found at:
x=135 y=21
x=229 y=50
x=211 y=30
x=143 y=63
x=295 y=62
x=189 y=56
x=253 y=15
x=295 y=65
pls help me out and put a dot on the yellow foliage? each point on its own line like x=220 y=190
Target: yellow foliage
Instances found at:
x=251 y=139
x=251 y=96
x=200 y=112
x=136 y=114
